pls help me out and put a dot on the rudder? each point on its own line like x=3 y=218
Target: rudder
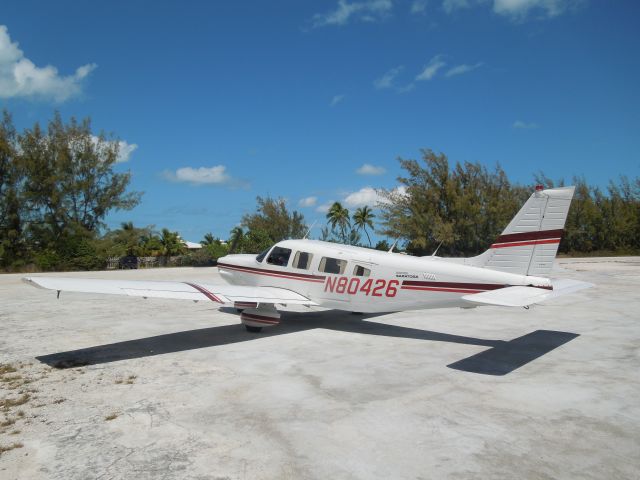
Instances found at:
x=530 y=242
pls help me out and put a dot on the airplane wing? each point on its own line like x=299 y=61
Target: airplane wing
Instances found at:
x=224 y=294
x=521 y=296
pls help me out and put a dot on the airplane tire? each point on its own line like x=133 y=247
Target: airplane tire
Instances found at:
x=253 y=329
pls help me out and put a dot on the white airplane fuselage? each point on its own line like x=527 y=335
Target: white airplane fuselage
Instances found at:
x=366 y=280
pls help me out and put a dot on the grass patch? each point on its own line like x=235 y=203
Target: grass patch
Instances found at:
x=111 y=416
x=15 y=432
x=10 y=447
x=7 y=403
x=6 y=368
x=130 y=379
x=7 y=422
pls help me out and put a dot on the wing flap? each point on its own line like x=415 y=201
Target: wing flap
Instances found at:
x=224 y=294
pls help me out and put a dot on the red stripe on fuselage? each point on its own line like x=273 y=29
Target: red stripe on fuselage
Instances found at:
x=448 y=290
x=452 y=285
x=274 y=273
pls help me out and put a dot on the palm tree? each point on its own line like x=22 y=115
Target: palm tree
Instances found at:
x=235 y=241
x=171 y=243
x=339 y=216
x=208 y=239
x=362 y=219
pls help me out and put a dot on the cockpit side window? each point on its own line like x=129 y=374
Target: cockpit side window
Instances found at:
x=332 y=265
x=261 y=256
x=302 y=260
x=360 y=271
x=279 y=256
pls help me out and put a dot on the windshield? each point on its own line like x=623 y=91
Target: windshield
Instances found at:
x=261 y=256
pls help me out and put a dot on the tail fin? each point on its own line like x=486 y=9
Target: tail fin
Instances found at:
x=530 y=242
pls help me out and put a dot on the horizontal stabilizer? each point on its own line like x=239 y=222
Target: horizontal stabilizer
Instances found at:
x=224 y=294
x=522 y=296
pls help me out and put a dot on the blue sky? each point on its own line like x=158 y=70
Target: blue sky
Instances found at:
x=313 y=101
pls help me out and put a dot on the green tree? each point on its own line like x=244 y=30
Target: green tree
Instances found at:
x=256 y=241
x=383 y=245
x=171 y=243
x=12 y=247
x=338 y=217
x=273 y=218
x=464 y=208
x=70 y=185
x=208 y=239
x=236 y=240
x=363 y=218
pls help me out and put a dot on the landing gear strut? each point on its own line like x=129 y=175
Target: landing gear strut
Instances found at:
x=253 y=329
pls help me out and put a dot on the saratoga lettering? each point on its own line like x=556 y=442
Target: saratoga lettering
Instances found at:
x=375 y=288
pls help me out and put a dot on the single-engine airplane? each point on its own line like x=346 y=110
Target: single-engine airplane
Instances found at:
x=513 y=272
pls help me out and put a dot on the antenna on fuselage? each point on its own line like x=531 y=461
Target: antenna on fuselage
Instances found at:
x=393 y=246
x=309 y=230
x=437 y=248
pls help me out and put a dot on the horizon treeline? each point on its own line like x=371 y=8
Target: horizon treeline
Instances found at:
x=464 y=207
x=57 y=185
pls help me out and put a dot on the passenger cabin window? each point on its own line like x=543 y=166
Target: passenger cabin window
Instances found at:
x=302 y=260
x=359 y=271
x=261 y=256
x=279 y=256
x=332 y=265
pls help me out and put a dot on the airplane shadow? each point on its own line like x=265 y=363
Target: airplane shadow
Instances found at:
x=501 y=357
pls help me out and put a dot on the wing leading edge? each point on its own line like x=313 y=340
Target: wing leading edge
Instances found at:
x=223 y=294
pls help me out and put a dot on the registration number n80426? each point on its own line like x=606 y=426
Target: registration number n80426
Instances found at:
x=366 y=286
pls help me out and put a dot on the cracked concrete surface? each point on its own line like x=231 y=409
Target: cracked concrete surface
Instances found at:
x=171 y=389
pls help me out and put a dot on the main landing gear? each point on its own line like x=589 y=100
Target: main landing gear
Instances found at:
x=258 y=316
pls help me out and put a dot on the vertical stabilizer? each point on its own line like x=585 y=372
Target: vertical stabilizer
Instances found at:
x=530 y=242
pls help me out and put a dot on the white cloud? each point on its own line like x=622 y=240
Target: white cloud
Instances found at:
x=365 y=196
x=419 y=7
x=370 y=197
x=386 y=80
x=324 y=208
x=519 y=9
x=368 y=169
x=516 y=9
x=20 y=77
x=307 y=202
x=524 y=125
x=125 y=149
x=430 y=70
x=337 y=99
x=200 y=176
x=461 y=69
x=364 y=11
